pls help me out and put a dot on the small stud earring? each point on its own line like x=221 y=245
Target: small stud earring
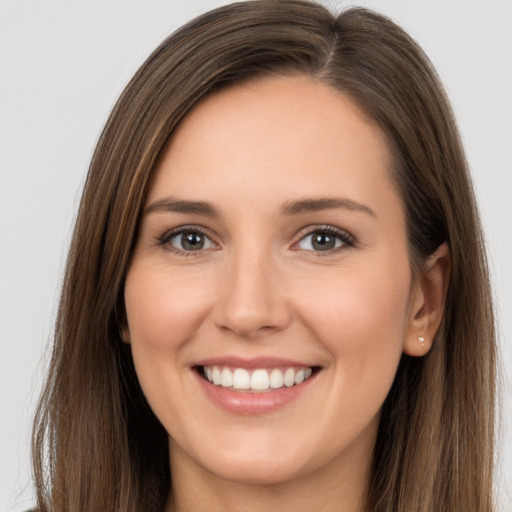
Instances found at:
x=421 y=339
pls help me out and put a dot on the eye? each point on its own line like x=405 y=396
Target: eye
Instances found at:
x=325 y=240
x=187 y=240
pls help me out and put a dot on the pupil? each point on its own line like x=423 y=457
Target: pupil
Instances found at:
x=193 y=241
x=323 y=242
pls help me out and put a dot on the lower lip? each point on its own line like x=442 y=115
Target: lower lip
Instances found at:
x=240 y=402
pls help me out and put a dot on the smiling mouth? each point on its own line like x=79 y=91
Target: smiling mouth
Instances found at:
x=258 y=380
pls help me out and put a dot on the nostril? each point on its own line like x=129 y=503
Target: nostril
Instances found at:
x=246 y=332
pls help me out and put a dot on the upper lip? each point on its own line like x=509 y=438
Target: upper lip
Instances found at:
x=256 y=362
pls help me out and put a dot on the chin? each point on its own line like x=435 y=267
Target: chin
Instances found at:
x=265 y=470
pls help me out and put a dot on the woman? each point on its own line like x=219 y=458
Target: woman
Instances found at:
x=276 y=295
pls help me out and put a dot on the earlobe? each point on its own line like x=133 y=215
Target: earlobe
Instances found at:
x=428 y=302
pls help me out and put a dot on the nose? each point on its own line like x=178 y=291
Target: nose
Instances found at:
x=251 y=301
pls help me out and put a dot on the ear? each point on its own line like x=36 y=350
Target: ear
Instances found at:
x=428 y=300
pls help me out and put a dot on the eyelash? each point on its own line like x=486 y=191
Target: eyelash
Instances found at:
x=165 y=239
x=347 y=240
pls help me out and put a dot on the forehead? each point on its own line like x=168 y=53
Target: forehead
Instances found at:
x=288 y=134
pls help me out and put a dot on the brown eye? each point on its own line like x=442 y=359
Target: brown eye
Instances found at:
x=190 y=241
x=324 y=241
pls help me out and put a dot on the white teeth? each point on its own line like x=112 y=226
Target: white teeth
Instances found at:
x=241 y=379
x=289 y=377
x=226 y=378
x=259 y=380
x=276 y=379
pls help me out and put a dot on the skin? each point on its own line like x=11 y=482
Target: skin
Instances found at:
x=259 y=287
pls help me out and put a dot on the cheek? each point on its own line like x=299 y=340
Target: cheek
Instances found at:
x=367 y=308
x=361 y=317
x=163 y=310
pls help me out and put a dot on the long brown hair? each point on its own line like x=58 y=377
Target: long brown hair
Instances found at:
x=97 y=445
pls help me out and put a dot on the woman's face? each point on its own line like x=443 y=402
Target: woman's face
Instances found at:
x=272 y=251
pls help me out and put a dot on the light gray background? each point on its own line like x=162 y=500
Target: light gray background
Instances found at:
x=63 y=64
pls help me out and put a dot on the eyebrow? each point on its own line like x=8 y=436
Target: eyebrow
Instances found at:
x=303 y=206
x=324 y=203
x=171 y=204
